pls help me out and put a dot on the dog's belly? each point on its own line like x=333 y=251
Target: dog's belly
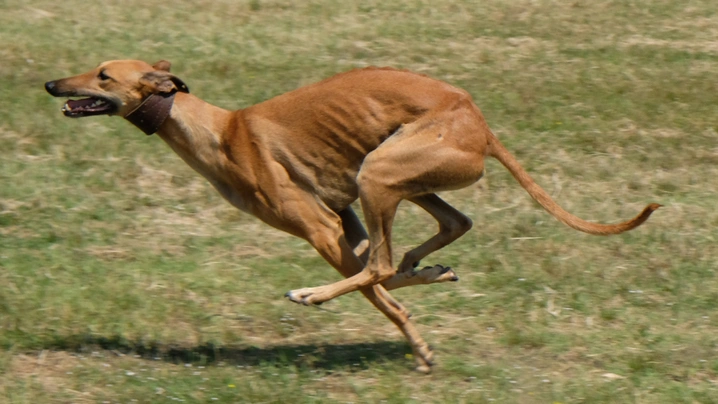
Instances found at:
x=337 y=196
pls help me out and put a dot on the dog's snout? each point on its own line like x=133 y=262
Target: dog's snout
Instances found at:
x=50 y=87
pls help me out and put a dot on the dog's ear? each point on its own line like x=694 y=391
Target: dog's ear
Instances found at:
x=162 y=65
x=163 y=82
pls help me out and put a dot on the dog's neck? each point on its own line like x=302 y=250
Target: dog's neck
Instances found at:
x=151 y=114
x=196 y=131
x=205 y=137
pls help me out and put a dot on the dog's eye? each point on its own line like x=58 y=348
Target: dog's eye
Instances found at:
x=103 y=75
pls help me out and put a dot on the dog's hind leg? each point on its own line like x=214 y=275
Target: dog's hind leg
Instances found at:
x=441 y=151
x=453 y=227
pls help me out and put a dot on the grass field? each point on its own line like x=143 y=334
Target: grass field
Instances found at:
x=125 y=278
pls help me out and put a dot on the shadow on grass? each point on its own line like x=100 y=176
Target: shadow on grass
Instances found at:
x=313 y=356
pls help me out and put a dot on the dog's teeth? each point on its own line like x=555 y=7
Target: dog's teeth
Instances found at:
x=66 y=107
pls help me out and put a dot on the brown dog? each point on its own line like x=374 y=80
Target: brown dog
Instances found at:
x=297 y=162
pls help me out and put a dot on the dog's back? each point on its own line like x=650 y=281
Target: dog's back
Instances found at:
x=323 y=131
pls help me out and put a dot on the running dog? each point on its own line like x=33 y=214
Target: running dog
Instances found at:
x=297 y=162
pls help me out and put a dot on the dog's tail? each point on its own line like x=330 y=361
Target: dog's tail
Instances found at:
x=499 y=152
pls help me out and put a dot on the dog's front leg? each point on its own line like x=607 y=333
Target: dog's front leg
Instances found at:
x=336 y=239
x=379 y=210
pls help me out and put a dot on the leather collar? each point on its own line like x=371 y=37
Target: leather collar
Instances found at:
x=153 y=111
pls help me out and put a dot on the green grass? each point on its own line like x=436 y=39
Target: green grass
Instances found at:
x=125 y=278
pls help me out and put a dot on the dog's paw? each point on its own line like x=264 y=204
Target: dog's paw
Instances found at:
x=439 y=273
x=423 y=369
x=424 y=360
x=302 y=296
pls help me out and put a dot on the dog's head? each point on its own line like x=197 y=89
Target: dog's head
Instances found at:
x=114 y=88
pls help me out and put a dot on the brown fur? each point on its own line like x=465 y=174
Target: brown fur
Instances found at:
x=297 y=162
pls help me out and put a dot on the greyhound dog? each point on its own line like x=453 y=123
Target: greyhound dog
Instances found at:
x=297 y=162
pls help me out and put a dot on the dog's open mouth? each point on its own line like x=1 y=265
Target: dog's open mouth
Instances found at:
x=88 y=107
